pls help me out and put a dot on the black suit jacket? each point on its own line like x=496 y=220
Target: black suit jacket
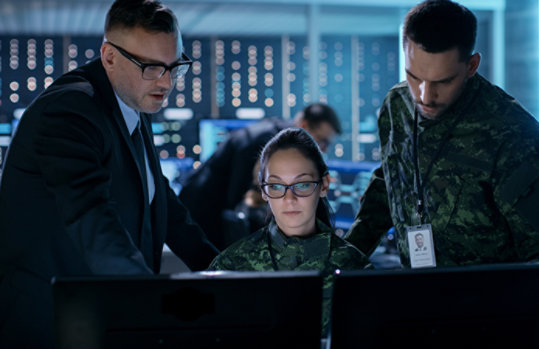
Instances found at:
x=71 y=195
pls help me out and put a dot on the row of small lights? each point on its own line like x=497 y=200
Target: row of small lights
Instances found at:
x=196 y=70
x=196 y=82
x=31 y=63
x=220 y=72
x=236 y=76
x=252 y=77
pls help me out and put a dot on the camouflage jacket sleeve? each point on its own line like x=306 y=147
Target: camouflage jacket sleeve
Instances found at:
x=373 y=218
x=516 y=189
x=221 y=262
x=345 y=256
x=250 y=253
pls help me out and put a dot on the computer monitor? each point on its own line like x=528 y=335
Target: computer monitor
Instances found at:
x=191 y=310
x=211 y=132
x=490 y=306
x=349 y=180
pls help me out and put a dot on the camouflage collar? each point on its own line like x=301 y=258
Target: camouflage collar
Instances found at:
x=313 y=245
x=468 y=95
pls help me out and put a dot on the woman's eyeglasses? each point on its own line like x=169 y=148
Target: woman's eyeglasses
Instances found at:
x=300 y=189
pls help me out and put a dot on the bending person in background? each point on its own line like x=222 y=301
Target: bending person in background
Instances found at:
x=460 y=157
x=82 y=191
x=221 y=182
x=295 y=181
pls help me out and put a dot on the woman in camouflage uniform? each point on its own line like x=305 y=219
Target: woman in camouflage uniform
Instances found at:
x=294 y=181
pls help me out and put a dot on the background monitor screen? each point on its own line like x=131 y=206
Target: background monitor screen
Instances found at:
x=191 y=310
x=214 y=131
x=348 y=183
x=489 y=306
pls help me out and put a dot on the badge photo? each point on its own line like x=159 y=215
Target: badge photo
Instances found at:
x=421 y=246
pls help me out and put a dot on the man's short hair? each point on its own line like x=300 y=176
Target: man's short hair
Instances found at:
x=150 y=15
x=441 y=25
x=316 y=113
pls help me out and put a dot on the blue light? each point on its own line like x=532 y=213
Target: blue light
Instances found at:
x=157 y=127
x=5 y=129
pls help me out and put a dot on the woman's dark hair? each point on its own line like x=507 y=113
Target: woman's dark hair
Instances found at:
x=150 y=15
x=441 y=25
x=299 y=139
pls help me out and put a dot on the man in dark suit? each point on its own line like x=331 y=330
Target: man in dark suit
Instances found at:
x=76 y=196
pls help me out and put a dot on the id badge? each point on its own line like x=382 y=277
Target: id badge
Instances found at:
x=421 y=246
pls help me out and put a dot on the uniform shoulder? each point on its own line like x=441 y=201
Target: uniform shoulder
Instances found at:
x=397 y=98
x=400 y=89
x=240 y=254
x=246 y=244
x=502 y=116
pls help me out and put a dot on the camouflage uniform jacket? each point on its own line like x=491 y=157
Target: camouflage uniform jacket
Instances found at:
x=482 y=189
x=323 y=251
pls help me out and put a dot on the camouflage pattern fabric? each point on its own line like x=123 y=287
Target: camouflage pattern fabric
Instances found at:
x=323 y=252
x=482 y=192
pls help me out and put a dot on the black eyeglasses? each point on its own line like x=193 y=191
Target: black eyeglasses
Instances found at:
x=153 y=71
x=300 y=189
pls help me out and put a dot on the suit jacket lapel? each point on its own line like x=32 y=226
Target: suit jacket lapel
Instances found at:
x=158 y=207
x=98 y=76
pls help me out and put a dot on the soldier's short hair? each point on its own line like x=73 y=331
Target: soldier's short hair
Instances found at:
x=441 y=25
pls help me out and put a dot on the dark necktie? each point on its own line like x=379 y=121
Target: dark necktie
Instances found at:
x=141 y=159
x=146 y=229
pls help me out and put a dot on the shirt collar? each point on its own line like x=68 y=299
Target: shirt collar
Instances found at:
x=317 y=244
x=131 y=116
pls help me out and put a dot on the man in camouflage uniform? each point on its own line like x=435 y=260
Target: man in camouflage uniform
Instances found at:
x=458 y=153
x=269 y=249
